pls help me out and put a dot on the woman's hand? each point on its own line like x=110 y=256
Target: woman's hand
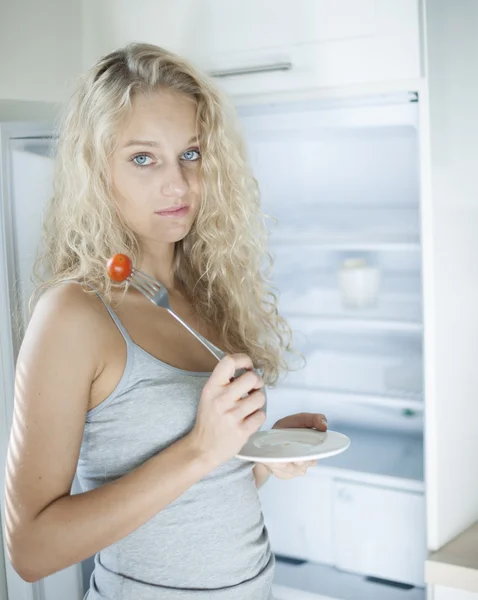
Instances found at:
x=230 y=410
x=301 y=420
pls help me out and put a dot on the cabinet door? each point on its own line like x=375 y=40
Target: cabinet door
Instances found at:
x=298 y=517
x=379 y=532
x=207 y=29
x=325 y=43
x=446 y=593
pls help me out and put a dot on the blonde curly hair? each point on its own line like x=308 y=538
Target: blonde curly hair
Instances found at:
x=222 y=262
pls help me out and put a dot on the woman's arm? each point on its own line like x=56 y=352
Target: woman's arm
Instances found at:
x=261 y=474
x=47 y=529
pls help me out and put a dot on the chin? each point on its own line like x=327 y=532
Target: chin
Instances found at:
x=175 y=234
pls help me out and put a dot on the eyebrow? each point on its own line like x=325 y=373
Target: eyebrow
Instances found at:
x=151 y=143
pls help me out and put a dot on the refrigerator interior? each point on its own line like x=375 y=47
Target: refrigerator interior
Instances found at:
x=308 y=285
x=342 y=180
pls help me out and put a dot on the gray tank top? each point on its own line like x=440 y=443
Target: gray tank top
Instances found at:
x=211 y=543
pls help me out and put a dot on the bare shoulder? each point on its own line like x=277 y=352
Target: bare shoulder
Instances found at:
x=69 y=297
x=67 y=311
x=69 y=304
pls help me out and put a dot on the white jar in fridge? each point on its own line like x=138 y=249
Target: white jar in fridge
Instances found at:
x=359 y=283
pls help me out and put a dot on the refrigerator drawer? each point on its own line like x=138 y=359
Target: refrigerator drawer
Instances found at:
x=379 y=532
x=297 y=514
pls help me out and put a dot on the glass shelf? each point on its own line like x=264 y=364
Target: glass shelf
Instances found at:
x=374 y=365
x=345 y=226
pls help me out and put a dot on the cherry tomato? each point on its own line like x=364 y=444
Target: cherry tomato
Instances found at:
x=119 y=267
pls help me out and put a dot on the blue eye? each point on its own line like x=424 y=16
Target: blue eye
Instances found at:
x=141 y=160
x=191 y=155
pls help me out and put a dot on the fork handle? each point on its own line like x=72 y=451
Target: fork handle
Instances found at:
x=218 y=354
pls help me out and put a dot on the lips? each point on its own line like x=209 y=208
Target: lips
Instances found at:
x=174 y=211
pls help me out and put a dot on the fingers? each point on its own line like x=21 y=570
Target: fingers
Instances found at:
x=303 y=467
x=243 y=385
x=287 y=470
x=321 y=425
x=298 y=469
x=227 y=367
x=312 y=421
x=247 y=406
x=290 y=470
x=232 y=389
x=254 y=422
x=306 y=464
x=303 y=421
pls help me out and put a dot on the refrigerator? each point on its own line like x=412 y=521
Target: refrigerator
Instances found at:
x=26 y=172
x=342 y=178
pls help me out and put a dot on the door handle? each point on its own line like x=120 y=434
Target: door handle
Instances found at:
x=268 y=68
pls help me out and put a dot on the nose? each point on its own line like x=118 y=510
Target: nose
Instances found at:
x=174 y=184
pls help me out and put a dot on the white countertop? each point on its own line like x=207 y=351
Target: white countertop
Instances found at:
x=455 y=565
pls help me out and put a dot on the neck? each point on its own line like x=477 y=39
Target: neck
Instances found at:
x=157 y=261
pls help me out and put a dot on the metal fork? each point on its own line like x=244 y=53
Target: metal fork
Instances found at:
x=158 y=294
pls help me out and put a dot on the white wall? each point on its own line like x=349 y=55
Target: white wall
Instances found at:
x=40 y=48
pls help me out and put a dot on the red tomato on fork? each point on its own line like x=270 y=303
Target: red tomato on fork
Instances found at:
x=119 y=267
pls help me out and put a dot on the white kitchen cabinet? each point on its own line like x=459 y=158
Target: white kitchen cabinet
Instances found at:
x=452 y=571
x=293 y=46
x=379 y=532
x=298 y=515
x=445 y=593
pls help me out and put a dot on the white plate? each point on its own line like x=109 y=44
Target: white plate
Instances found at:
x=293 y=445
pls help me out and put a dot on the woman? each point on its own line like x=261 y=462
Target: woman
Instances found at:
x=149 y=165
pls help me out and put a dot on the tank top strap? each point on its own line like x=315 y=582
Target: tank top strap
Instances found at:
x=116 y=319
